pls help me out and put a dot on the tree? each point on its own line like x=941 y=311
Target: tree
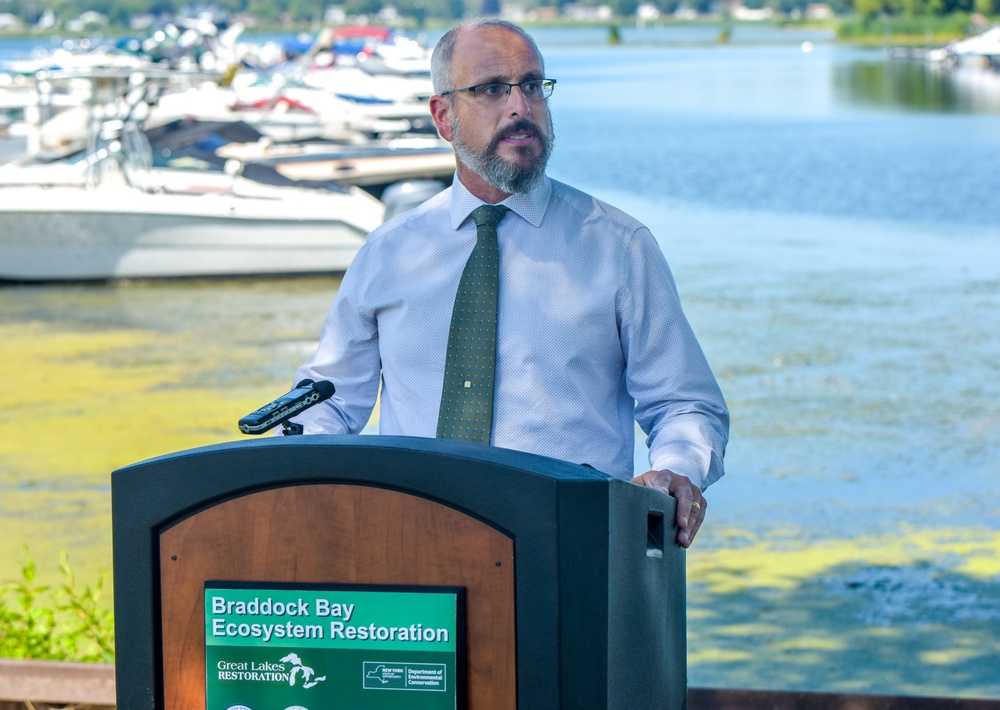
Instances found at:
x=869 y=8
x=624 y=8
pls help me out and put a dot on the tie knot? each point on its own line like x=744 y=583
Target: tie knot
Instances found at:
x=489 y=215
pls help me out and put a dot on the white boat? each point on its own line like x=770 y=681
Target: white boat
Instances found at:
x=383 y=92
x=80 y=57
x=111 y=215
x=55 y=108
x=28 y=97
x=117 y=229
x=980 y=50
x=371 y=164
x=289 y=112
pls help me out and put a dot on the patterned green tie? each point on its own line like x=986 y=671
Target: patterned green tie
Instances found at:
x=467 y=395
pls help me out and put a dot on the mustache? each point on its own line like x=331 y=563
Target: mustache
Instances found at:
x=524 y=125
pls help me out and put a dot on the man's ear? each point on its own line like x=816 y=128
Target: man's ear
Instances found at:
x=441 y=113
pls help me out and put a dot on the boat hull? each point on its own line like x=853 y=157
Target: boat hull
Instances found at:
x=222 y=237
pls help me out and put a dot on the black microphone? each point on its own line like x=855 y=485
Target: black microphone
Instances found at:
x=306 y=394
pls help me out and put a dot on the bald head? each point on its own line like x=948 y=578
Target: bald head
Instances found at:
x=442 y=68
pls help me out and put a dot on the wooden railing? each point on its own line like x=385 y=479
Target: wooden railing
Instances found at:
x=52 y=685
x=41 y=685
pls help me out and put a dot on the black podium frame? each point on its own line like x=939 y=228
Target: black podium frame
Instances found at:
x=600 y=583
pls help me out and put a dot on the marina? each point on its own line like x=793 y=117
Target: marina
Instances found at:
x=831 y=220
x=125 y=169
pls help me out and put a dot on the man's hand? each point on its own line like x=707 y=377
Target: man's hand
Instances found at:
x=690 y=502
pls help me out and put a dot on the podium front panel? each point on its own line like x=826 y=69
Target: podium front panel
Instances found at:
x=338 y=534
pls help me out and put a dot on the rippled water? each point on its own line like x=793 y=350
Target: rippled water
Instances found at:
x=831 y=219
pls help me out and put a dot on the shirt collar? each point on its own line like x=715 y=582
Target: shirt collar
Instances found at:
x=530 y=205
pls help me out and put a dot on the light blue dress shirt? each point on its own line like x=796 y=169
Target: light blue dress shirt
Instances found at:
x=590 y=336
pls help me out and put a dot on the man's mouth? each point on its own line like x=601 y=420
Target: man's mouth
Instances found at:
x=518 y=134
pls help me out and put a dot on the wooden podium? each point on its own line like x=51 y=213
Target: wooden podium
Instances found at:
x=573 y=587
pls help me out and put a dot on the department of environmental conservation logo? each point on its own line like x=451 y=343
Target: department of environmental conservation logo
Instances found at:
x=379 y=674
x=237 y=707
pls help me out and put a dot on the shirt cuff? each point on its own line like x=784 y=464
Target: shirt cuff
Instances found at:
x=680 y=466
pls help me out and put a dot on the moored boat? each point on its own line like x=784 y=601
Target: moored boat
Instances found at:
x=109 y=213
x=122 y=231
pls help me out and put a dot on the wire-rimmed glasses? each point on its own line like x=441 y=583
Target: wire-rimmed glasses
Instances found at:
x=498 y=91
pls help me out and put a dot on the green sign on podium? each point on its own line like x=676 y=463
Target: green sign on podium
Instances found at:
x=279 y=646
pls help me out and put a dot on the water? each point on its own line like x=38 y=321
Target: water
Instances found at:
x=834 y=238
x=831 y=219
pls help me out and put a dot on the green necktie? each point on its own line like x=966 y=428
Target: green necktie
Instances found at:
x=467 y=395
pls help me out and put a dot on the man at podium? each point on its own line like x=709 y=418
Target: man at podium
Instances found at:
x=515 y=311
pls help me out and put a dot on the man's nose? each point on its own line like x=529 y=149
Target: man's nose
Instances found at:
x=517 y=104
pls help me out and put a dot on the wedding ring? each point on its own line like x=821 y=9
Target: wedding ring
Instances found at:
x=696 y=505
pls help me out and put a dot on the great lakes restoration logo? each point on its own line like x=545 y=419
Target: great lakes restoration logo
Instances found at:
x=309 y=678
x=290 y=669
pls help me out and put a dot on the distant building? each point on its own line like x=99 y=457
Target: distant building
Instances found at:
x=545 y=13
x=335 y=15
x=515 y=12
x=647 y=12
x=86 y=20
x=587 y=13
x=746 y=14
x=141 y=22
x=47 y=21
x=819 y=11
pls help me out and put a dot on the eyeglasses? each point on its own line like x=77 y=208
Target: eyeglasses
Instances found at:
x=497 y=91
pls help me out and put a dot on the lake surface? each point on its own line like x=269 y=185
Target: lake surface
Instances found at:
x=831 y=218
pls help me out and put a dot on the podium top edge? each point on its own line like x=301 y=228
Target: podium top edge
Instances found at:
x=391 y=445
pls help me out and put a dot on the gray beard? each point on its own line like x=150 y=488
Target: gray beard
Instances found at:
x=507 y=177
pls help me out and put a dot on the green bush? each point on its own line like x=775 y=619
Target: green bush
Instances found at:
x=64 y=623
